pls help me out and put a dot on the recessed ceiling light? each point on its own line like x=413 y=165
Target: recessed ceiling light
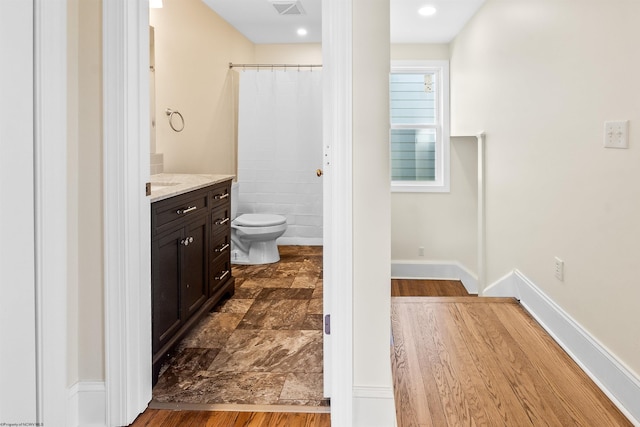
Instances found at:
x=427 y=11
x=302 y=32
x=155 y=4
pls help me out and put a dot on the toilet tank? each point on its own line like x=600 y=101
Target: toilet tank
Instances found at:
x=234 y=199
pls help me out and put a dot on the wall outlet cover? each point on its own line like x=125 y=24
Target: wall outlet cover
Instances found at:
x=616 y=134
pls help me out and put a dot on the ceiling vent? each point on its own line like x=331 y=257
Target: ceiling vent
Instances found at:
x=288 y=7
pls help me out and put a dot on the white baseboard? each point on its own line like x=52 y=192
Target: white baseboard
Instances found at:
x=613 y=378
x=373 y=407
x=87 y=404
x=443 y=270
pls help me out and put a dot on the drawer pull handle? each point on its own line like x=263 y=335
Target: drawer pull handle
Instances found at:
x=186 y=210
x=186 y=241
x=221 y=221
x=221 y=196
x=222 y=248
x=223 y=275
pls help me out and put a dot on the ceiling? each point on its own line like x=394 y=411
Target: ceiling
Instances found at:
x=261 y=23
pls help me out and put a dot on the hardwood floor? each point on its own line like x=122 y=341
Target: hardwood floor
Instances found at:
x=476 y=361
x=427 y=288
x=167 y=418
x=457 y=361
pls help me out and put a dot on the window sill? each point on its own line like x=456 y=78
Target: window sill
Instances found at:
x=419 y=187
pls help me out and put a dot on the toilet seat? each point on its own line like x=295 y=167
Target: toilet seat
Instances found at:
x=259 y=220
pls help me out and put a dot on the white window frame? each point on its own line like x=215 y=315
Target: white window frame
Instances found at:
x=442 y=181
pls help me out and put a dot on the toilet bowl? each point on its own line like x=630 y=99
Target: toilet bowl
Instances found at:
x=253 y=236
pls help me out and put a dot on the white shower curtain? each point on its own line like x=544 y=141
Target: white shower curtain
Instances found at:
x=280 y=148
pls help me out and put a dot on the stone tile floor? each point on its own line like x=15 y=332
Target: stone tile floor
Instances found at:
x=263 y=346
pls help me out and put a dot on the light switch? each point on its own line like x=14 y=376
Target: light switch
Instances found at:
x=616 y=134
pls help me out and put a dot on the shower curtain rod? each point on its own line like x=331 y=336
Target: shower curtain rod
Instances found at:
x=232 y=65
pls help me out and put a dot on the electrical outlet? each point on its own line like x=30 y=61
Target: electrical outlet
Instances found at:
x=616 y=134
x=559 y=271
x=421 y=251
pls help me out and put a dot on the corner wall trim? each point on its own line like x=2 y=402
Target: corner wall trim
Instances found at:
x=87 y=404
x=373 y=406
x=613 y=378
x=443 y=270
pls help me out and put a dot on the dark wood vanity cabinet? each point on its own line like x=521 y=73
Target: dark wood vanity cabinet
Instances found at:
x=191 y=262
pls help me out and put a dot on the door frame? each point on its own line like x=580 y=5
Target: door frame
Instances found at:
x=127 y=281
x=39 y=195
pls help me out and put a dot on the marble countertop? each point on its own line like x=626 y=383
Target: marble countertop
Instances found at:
x=165 y=185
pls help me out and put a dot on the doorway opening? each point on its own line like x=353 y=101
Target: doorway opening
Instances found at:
x=263 y=346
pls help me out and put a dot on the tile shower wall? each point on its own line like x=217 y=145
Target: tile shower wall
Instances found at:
x=156 y=163
x=280 y=148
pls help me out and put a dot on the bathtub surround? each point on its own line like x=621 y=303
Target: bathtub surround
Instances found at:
x=280 y=148
x=261 y=347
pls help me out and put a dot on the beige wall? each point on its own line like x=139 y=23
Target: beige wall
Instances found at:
x=444 y=224
x=541 y=78
x=72 y=190
x=193 y=49
x=84 y=221
x=371 y=194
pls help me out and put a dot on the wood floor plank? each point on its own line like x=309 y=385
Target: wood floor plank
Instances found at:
x=428 y=288
x=578 y=400
x=464 y=371
x=410 y=391
x=455 y=300
x=488 y=363
x=489 y=383
x=168 y=418
x=514 y=365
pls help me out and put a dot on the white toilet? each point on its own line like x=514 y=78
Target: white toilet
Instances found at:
x=253 y=236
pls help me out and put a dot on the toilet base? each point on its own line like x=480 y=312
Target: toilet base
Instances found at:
x=259 y=253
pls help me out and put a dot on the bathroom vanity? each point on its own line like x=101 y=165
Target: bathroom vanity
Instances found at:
x=190 y=254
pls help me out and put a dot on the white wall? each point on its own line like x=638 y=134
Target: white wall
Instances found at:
x=295 y=53
x=444 y=224
x=18 y=334
x=371 y=212
x=541 y=78
x=419 y=51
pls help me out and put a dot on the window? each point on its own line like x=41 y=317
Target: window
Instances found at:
x=419 y=116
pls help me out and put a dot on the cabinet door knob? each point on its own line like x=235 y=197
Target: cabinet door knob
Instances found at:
x=221 y=196
x=186 y=241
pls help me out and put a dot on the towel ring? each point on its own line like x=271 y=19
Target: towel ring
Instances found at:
x=171 y=113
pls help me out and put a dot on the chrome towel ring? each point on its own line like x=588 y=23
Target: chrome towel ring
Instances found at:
x=170 y=114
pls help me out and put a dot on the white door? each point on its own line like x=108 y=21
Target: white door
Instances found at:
x=17 y=271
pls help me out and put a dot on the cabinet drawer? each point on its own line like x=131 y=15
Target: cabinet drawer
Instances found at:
x=184 y=206
x=220 y=194
x=219 y=274
x=221 y=220
x=220 y=247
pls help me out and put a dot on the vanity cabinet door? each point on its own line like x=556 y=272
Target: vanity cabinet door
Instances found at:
x=195 y=269
x=165 y=279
